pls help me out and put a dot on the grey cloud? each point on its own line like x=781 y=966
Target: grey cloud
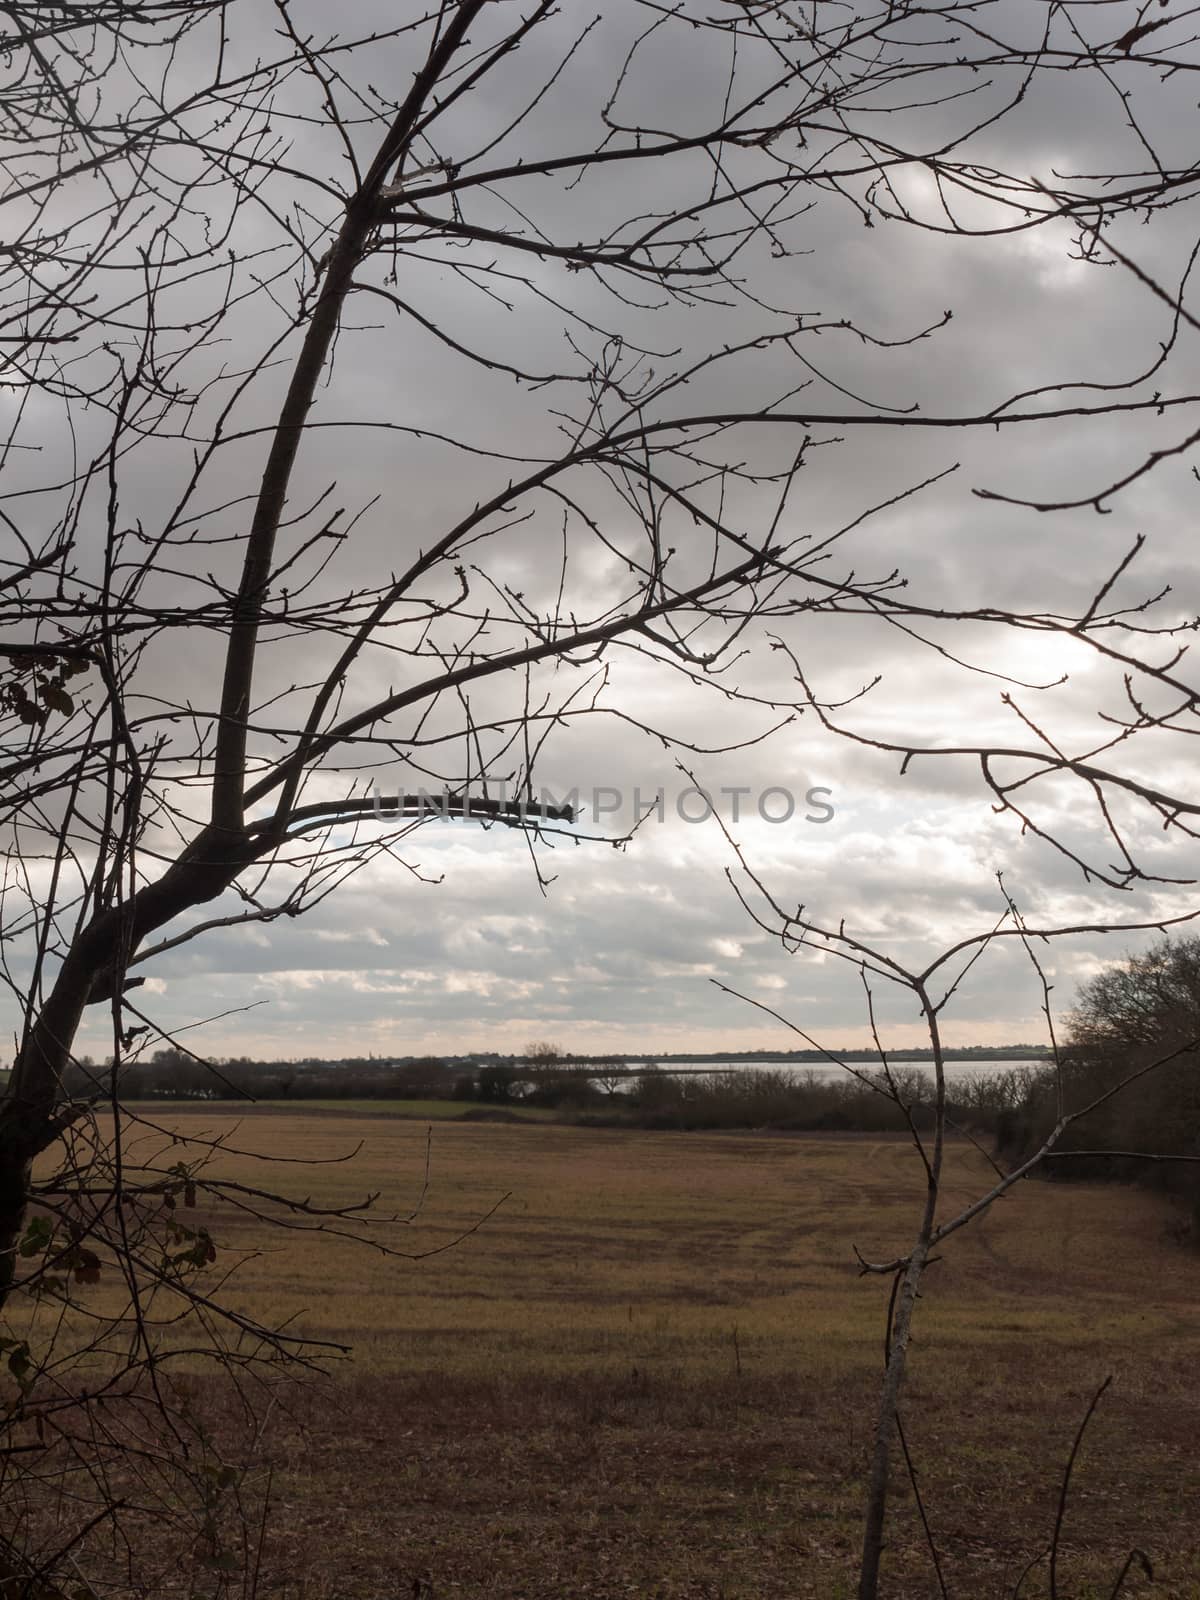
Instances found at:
x=623 y=946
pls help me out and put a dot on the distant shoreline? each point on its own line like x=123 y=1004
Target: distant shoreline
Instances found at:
x=680 y=1058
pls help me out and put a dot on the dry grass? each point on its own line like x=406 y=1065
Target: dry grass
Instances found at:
x=651 y=1372
x=423 y=1110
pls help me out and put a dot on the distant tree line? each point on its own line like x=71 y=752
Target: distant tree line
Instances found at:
x=174 y=1075
x=655 y=1097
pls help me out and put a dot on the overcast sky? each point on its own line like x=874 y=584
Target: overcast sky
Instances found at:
x=451 y=944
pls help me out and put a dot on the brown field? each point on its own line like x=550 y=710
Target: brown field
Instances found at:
x=651 y=1372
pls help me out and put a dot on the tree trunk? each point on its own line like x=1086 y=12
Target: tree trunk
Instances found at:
x=885 y=1424
x=92 y=971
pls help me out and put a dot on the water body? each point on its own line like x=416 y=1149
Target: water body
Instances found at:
x=956 y=1071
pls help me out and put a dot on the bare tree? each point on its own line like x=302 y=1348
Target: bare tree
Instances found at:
x=610 y=1077
x=218 y=633
x=933 y=988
